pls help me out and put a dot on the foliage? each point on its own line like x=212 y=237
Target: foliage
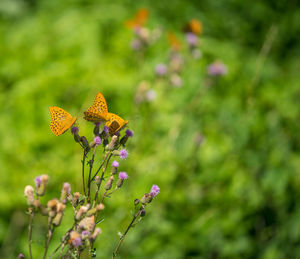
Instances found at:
x=235 y=195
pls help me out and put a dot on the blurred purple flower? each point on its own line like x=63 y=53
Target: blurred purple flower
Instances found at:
x=77 y=242
x=123 y=175
x=192 y=39
x=115 y=164
x=150 y=95
x=66 y=188
x=123 y=153
x=176 y=80
x=161 y=69
x=106 y=129
x=217 y=69
x=97 y=140
x=74 y=130
x=136 y=44
x=154 y=190
x=38 y=181
x=129 y=133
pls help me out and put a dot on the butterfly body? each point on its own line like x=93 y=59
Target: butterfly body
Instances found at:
x=61 y=120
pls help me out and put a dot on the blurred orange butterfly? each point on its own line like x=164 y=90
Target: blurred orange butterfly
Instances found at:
x=174 y=41
x=139 y=19
x=61 y=120
x=115 y=123
x=194 y=26
x=98 y=111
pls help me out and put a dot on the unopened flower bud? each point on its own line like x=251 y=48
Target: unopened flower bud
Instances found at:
x=28 y=192
x=111 y=146
x=136 y=202
x=97 y=232
x=85 y=143
x=82 y=210
x=41 y=182
x=98 y=180
x=123 y=140
x=65 y=192
x=100 y=207
x=77 y=137
x=21 y=256
x=115 y=166
x=51 y=205
x=97 y=129
x=109 y=183
x=87 y=223
x=75 y=200
x=143 y=213
x=57 y=219
x=147 y=198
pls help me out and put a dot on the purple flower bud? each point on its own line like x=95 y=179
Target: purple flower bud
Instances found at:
x=217 y=69
x=97 y=124
x=38 y=181
x=97 y=140
x=117 y=133
x=192 y=39
x=154 y=191
x=129 y=133
x=161 y=69
x=106 y=129
x=123 y=153
x=77 y=242
x=74 y=130
x=115 y=164
x=123 y=175
x=21 y=256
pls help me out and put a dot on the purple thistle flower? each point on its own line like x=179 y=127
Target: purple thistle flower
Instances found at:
x=38 y=181
x=123 y=153
x=85 y=233
x=192 y=39
x=77 y=242
x=117 y=133
x=97 y=140
x=74 y=130
x=123 y=175
x=106 y=129
x=217 y=69
x=115 y=164
x=129 y=133
x=98 y=123
x=161 y=69
x=154 y=190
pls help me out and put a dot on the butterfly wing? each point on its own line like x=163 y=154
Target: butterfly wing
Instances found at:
x=61 y=120
x=174 y=41
x=115 y=123
x=98 y=111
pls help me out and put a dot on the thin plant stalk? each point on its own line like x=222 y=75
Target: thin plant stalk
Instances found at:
x=83 y=164
x=90 y=173
x=31 y=211
x=49 y=236
x=126 y=231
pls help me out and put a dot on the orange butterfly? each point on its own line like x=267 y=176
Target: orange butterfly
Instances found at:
x=98 y=111
x=115 y=123
x=61 y=120
x=174 y=41
x=139 y=20
x=194 y=26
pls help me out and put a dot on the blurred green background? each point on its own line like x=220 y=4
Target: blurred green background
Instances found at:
x=234 y=195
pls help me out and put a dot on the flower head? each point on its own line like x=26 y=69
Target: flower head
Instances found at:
x=129 y=133
x=115 y=164
x=38 y=181
x=123 y=175
x=192 y=39
x=74 y=130
x=106 y=129
x=97 y=140
x=136 y=44
x=217 y=69
x=161 y=69
x=77 y=242
x=150 y=95
x=66 y=188
x=154 y=190
x=176 y=80
x=123 y=153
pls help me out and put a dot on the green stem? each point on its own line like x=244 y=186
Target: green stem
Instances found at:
x=31 y=211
